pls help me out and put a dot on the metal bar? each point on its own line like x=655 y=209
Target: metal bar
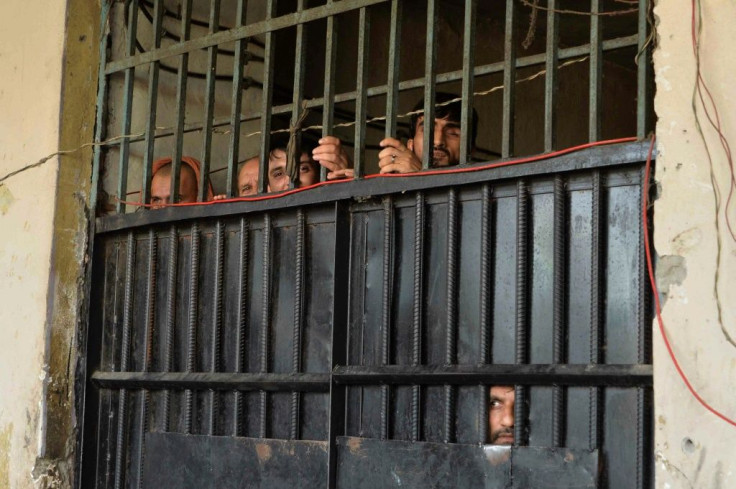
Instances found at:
x=430 y=58
x=379 y=90
x=220 y=381
x=147 y=348
x=451 y=318
x=100 y=118
x=329 y=89
x=266 y=99
x=296 y=352
x=497 y=374
x=364 y=34
x=153 y=76
x=595 y=428
x=486 y=305
x=386 y=303
x=231 y=181
x=466 y=116
x=596 y=72
x=339 y=354
x=522 y=309
x=292 y=166
x=559 y=293
x=509 y=82
x=418 y=313
x=550 y=79
x=643 y=73
x=265 y=320
x=217 y=321
x=181 y=102
x=121 y=445
x=643 y=409
x=171 y=285
x=242 y=32
x=241 y=352
x=394 y=65
x=132 y=30
x=191 y=358
x=209 y=103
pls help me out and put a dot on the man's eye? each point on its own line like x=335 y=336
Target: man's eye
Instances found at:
x=277 y=174
x=305 y=168
x=454 y=133
x=155 y=200
x=495 y=404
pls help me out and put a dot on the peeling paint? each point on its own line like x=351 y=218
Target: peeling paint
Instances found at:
x=5 y=455
x=671 y=270
x=6 y=199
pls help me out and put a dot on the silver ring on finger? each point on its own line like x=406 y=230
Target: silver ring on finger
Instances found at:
x=393 y=157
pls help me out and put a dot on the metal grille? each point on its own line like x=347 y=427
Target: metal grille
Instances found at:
x=377 y=309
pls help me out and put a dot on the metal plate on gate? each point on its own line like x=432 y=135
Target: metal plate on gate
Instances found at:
x=367 y=463
x=219 y=462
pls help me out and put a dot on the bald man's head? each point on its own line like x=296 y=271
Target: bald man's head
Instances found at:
x=161 y=186
x=248 y=177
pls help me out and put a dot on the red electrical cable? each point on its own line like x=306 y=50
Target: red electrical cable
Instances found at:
x=473 y=168
x=650 y=268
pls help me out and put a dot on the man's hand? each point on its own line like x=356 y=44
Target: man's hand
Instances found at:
x=331 y=154
x=346 y=173
x=219 y=197
x=397 y=158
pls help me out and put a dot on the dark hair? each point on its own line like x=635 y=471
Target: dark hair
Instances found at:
x=451 y=111
x=280 y=141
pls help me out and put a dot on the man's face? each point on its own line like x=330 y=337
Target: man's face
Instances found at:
x=446 y=142
x=501 y=415
x=248 y=178
x=278 y=179
x=161 y=187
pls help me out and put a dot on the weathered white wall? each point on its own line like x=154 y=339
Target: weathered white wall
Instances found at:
x=694 y=448
x=31 y=47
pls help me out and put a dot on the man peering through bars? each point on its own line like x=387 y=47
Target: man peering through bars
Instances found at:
x=501 y=414
x=278 y=179
x=189 y=177
x=396 y=157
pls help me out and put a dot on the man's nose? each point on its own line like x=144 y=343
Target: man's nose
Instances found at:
x=508 y=416
x=439 y=136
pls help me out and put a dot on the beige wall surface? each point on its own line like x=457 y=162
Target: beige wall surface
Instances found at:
x=694 y=448
x=31 y=47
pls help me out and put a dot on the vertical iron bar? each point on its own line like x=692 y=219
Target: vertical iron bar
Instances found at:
x=642 y=78
x=596 y=314
x=417 y=313
x=209 y=102
x=550 y=79
x=643 y=431
x=486 y=307
x=170 y=318
x=240 y=355
x=147 y=348
x=596 y=72
x=192 y=326
x=181 y=101
x=394 y=65
x=124 y=355
x=236 y=104
x=364 y=34
x=296 y=352
x=150 y=137
x=560 y=312
x=127 y=106
x=451 y=318
x=265 y=319
x=266 y=99
x=217 y=321
x=466 y=142
x=509 y=82
x=292 y=167
x=430 y=57
x=328 y=116
x=388 y=252
x=522 y=313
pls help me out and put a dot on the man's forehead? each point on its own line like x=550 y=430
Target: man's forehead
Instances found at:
x=446 y=120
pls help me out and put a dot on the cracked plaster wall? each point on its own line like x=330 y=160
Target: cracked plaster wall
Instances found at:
x=693 y=447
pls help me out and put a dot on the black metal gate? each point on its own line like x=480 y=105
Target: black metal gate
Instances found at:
x=324 y=339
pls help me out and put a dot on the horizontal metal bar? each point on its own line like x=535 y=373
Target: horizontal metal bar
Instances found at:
x=238 y=33
x=529 y=374
x=380 y=90
x=592 y=158
x=213 y=381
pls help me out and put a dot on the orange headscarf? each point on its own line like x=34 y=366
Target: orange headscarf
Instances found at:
x=193 y=163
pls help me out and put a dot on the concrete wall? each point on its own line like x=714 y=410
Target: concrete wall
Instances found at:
x=47 y=89
x=694 y=448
